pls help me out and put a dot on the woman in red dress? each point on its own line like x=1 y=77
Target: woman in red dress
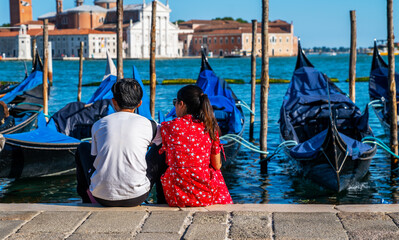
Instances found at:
x=192 y=147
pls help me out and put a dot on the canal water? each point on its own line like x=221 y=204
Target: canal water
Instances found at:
x=245 y=181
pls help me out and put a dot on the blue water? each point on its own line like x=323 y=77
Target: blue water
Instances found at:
x=245 y=181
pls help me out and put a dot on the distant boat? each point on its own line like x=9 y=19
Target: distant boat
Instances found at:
x=379 y=89
x=327 y=127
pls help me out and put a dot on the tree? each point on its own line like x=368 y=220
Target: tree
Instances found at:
x=240 y=20
x=6 y=25
x=179 y=21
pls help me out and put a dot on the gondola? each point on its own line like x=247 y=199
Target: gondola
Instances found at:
x=327 y=128
x=24 y=102
x=226 y=107
x=49 y=150
x=379 y=89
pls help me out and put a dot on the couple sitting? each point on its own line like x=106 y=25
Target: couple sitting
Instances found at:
x=117 y=170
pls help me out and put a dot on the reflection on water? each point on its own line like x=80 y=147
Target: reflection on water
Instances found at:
x=245 y=181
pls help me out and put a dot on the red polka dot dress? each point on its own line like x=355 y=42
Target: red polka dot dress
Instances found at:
x=190 y=181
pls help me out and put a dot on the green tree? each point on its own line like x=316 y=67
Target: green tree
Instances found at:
x=6 y=25
x=240 y=20
x=179 y=21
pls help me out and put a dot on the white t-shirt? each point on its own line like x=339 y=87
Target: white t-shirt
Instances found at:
x=119 y=142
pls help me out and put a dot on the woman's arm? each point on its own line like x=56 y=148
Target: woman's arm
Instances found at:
x=215 y=161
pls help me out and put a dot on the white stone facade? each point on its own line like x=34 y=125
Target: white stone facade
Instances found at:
x=95 y=45
x=18 y=46
x=139 y=34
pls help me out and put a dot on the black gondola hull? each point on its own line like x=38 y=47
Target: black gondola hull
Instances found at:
x=24 y=160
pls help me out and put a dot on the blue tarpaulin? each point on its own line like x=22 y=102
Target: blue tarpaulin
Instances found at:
x=32 y=81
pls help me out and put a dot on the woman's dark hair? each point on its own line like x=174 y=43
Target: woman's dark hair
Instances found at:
x=127 y=93
x=199 y=106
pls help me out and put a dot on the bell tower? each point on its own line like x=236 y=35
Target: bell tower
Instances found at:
x=20 y=11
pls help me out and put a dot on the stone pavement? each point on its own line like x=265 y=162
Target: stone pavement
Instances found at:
x=238 y=221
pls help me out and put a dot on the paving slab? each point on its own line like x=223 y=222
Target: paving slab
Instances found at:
x=273 y=208
x=395 y=217
x=97 y=236
x=158 y=236
x=54 y=222
x=250 y=225
x=217 y=217
x=307 y=226
x=214 y=231
x=113 y=222
x=9 y=227
x=369 y=208
x=17 y=215
x=37 y=236
x=369 y=225
x=167 y=222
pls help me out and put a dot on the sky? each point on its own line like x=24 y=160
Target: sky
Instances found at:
x=317 y=22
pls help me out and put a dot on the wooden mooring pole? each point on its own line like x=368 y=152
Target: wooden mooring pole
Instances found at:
x=264 y=84
x=45 y=66
x=352 y=61
x=119 y=38
x=392 y=85
x=253 y=78
x=33 y=53
x=50 y=63
x=80 y=71
x=153 y=77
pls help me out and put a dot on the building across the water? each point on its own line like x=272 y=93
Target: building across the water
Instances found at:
x=231 y=38
x=96 y=26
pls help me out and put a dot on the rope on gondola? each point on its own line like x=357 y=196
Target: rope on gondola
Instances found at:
x=376 y=103
x=245 y=105
x=250 y=146
x=285 y=144
x=240 y=140
x=381 y=144
x=28 y=103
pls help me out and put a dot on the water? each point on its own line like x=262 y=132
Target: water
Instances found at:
x=245 y=181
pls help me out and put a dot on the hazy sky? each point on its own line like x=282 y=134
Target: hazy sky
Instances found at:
x=316 y=22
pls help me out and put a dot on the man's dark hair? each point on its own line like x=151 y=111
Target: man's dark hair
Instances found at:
x=127 y=93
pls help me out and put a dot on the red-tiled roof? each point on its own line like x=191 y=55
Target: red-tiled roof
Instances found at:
x=222 y=26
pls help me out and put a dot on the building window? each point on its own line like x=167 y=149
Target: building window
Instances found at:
x=288 y=39
x=227 y=40
x=258 y=39
x=215 y=40
x=94 y=50
x=221 y=40
x=232 y=40
x=78 y=38
x=195 y=41
x=238 y=39
x=205 y=40
x=114 y=50
x=210 y=41
x=280 y=39
x=72 y=39
x=200 y=41
x=85 y=50
x=22 y=41
x=246 y=40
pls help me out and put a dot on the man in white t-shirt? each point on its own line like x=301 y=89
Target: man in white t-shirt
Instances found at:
x=117 y=172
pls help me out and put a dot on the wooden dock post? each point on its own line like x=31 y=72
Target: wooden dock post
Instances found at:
x=153 y=77
x=50 y=64
x=253 y=78
x=352 y=61
x=33 y=53
x=392 y=85
x=264 y=88
x=80 y=71
x=45 y=66
x=119 y=38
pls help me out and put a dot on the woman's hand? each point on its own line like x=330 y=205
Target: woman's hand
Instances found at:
x=215 y=161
